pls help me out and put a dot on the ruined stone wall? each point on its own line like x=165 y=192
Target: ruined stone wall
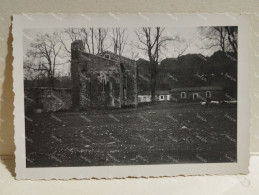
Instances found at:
x=129 y=79
x=102 y=93
x=101 y=82
x=47 y=99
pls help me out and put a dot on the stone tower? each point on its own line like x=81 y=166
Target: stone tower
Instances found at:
x=76 y=48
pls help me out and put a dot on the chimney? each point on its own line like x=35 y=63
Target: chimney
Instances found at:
x=76 y=48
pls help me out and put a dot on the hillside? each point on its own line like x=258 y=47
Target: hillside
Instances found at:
x=192 y=70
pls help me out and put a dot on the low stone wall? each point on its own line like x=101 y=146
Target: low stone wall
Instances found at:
x=47 y=99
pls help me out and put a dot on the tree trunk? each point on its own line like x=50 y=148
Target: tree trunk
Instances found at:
x=153 y=72
x=231 y=38
x=51 y=81
x=76 y=47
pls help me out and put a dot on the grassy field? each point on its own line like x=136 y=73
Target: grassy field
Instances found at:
x=162 y=133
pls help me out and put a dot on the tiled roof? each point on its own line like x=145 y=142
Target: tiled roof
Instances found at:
x=157 y=93
x=207 y=88
x=113 y=54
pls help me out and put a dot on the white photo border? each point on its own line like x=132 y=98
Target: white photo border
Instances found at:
x=26 y=21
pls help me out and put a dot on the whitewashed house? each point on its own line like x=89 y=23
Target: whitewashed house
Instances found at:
x=145 y=96
x=163 y=95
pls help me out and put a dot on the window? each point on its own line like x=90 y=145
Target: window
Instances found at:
x=122 y=67
x=107 y=56
x=183 y=95
x=208 y=94
x=125 y=87
x=124 y=94
x=166 y=97
x=161 y=97
x=195 y=96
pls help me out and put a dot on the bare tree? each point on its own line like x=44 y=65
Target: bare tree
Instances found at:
x=119 y=39
x=43 y=56
x=100 y=37
x=181 y=47
x=152 y=41
x=232 y=37
x=221 y=37
x=88 y=40
x=94 y=40
x=216 y=37
x=133 y=55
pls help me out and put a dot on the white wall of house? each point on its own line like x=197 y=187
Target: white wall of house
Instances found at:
x=163 y=97
x=144 y=98
x=147 y=98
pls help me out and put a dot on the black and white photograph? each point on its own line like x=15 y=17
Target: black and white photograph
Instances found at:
x=125 y=96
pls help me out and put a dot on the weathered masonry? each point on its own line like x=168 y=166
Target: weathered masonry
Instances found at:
x=102 y=80
x=47 y=99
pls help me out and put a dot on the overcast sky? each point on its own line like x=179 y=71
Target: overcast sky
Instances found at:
x=190 y=35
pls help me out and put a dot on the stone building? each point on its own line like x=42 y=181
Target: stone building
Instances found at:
x=102 y=80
